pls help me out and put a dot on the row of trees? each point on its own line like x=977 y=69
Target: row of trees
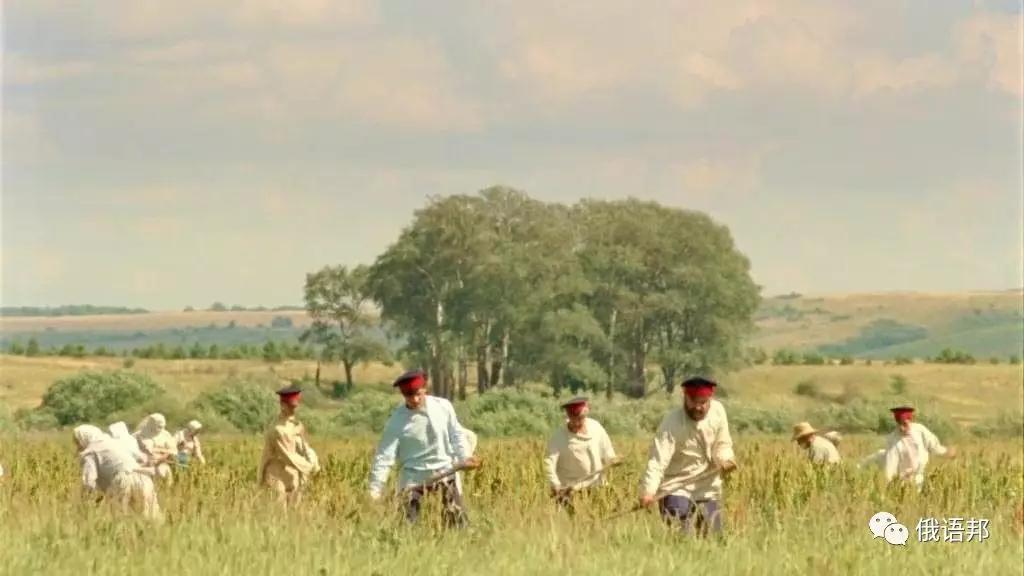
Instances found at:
x=269 y=351
x=585 y=296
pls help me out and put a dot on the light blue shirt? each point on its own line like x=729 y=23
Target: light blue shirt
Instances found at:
x=424 y=442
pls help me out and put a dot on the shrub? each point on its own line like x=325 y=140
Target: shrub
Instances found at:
x=1014 y=359
x=248 y=404
x=898 y=384
x=785 y=358
x=846 y=361
x=808 y=388
x=902 y=360
x=813 y=359
x=993 y=360
x=36 y=420
x=128 y=363
x=90 y=396
x=1006 y=424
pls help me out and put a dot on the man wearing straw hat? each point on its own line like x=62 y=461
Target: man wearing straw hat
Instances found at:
x=908 y=448
x=425 y=438
x=578 y=453
x=819 y=450
x=690 y=453
x=288 y=461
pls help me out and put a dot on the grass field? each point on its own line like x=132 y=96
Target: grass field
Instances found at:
x=782 y=517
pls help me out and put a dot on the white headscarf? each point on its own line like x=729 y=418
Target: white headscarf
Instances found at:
x=151 y=426
x=88 y=436
x=194 y=426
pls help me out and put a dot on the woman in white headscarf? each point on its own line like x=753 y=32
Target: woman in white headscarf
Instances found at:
x=158 y=443
x=187 y=440
x=110 y=470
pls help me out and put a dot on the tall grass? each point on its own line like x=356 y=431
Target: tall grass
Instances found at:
x=783 y=517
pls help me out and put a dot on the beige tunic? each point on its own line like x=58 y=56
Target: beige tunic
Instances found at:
x=683 y=449
x=821 y=451
x=573 y=456
x=285 y=466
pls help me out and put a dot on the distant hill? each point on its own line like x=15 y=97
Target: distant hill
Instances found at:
x=881 y=325
x=886 y=325
x=73 y=310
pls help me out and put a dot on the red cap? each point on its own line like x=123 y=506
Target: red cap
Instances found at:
x=411 y=381
x=903 y=413
x=699 y=388
x=290 y=395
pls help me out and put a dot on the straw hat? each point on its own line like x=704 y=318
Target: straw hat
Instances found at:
x=803 y=429
x=834 y=437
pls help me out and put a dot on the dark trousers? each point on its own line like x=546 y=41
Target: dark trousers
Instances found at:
x=703 y=515
x=453 y=513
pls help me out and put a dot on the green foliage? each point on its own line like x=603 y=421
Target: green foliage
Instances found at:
x=846 y=361
x=218 y=307
x=808 y=388
x=813 y=359
x=1014 y=359
x=32 y=349
x=1010 y=423
x=16 y=348
x=879 y=334
x=950 y=356
x=993 y=360
x=128 y=363
x=36 y=420
x=757 y=356
x=902 y=361
x=249 y=404
x=281 y=322
x=898 y=385
x=783 y=357
x=90 y=396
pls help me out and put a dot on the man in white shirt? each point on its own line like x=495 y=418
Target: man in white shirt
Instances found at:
x=578 y=453
x=908 y=448
x=425 y=438
x=690 y=452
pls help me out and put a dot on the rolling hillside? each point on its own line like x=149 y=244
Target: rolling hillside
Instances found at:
x=894 y=324
x=882 y=325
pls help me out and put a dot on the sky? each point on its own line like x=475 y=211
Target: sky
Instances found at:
x=164 y=154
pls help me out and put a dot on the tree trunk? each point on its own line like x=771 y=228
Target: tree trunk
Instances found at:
x=483 y=360
x=669 y=373
x=505 y=340
x=498 y=365
x=348 y=373
x=639 y=370
x=317 y=375
x=611 y=357
x=463 y=372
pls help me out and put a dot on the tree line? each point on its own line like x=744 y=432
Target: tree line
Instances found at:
x=584 y=297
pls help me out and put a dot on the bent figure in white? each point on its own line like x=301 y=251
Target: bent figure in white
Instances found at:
x=111 y=471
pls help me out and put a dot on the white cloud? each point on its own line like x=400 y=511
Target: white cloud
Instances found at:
x=22 y=70
x=993 y=42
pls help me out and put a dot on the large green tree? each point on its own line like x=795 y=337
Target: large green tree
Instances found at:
x=341 y=308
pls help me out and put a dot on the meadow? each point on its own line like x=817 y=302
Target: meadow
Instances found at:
x=783 y=517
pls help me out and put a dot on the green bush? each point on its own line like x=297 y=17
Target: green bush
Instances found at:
x=36 y=420
x=902 y=361
x=785 y=358
x=846 y=361
x=813 y=359
x=91 y=396
x=898 y=384
x=1009 y=424
x=248 y=404
x=808 y=388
